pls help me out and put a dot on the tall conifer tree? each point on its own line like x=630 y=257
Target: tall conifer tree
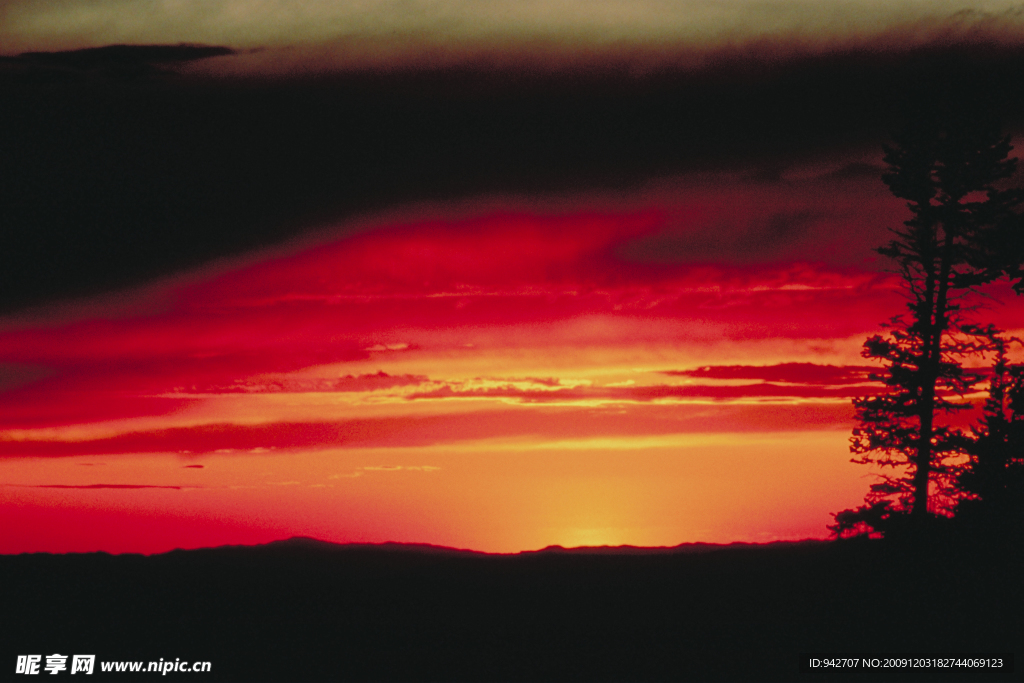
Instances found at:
x=947 y=165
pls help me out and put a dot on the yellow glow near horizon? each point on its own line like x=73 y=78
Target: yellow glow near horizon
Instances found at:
x=715 y=488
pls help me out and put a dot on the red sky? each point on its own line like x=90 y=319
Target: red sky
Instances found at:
x=675 y=368
x=486 y=278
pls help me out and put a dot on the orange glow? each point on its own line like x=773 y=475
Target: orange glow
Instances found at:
x=497 y=496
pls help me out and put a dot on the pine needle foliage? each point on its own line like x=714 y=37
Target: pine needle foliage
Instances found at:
x=949 y=165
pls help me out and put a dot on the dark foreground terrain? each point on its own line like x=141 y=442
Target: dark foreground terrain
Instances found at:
x=302 y=610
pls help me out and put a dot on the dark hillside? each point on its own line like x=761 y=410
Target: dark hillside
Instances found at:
x=302 y=610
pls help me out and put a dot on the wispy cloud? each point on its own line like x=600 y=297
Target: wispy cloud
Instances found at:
x=798 y=381
x=379 y=381
x=104 y=486
x=617 y=394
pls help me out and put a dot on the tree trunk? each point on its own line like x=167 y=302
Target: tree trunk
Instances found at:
x=937 y=326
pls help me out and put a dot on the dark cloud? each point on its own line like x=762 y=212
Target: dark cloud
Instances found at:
x=857 y=170
x=111 y=181
x=765 y=238
x=108 y=486
x=111 y=61
x=799 y=373
x=14 y=375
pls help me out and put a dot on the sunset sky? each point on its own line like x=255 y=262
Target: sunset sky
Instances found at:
x=489 y=275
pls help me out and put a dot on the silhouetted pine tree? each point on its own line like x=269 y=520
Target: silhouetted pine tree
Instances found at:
x=993 y=479
x=947 y=165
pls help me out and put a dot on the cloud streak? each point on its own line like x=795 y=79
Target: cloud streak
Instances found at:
x=106 y=486
x=377 y=382
x=803 y=373
x=652 y=393
x=541 y=420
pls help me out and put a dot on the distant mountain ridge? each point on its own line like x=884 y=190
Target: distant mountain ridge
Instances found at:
x=302 y=609
x=311 y=543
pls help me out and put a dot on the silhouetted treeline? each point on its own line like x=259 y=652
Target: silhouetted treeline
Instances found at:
x=303 y=610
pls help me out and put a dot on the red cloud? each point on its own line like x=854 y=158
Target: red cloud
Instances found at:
x=490 y=280
x=648 y=393
x=799 y=373
x=554 y=422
